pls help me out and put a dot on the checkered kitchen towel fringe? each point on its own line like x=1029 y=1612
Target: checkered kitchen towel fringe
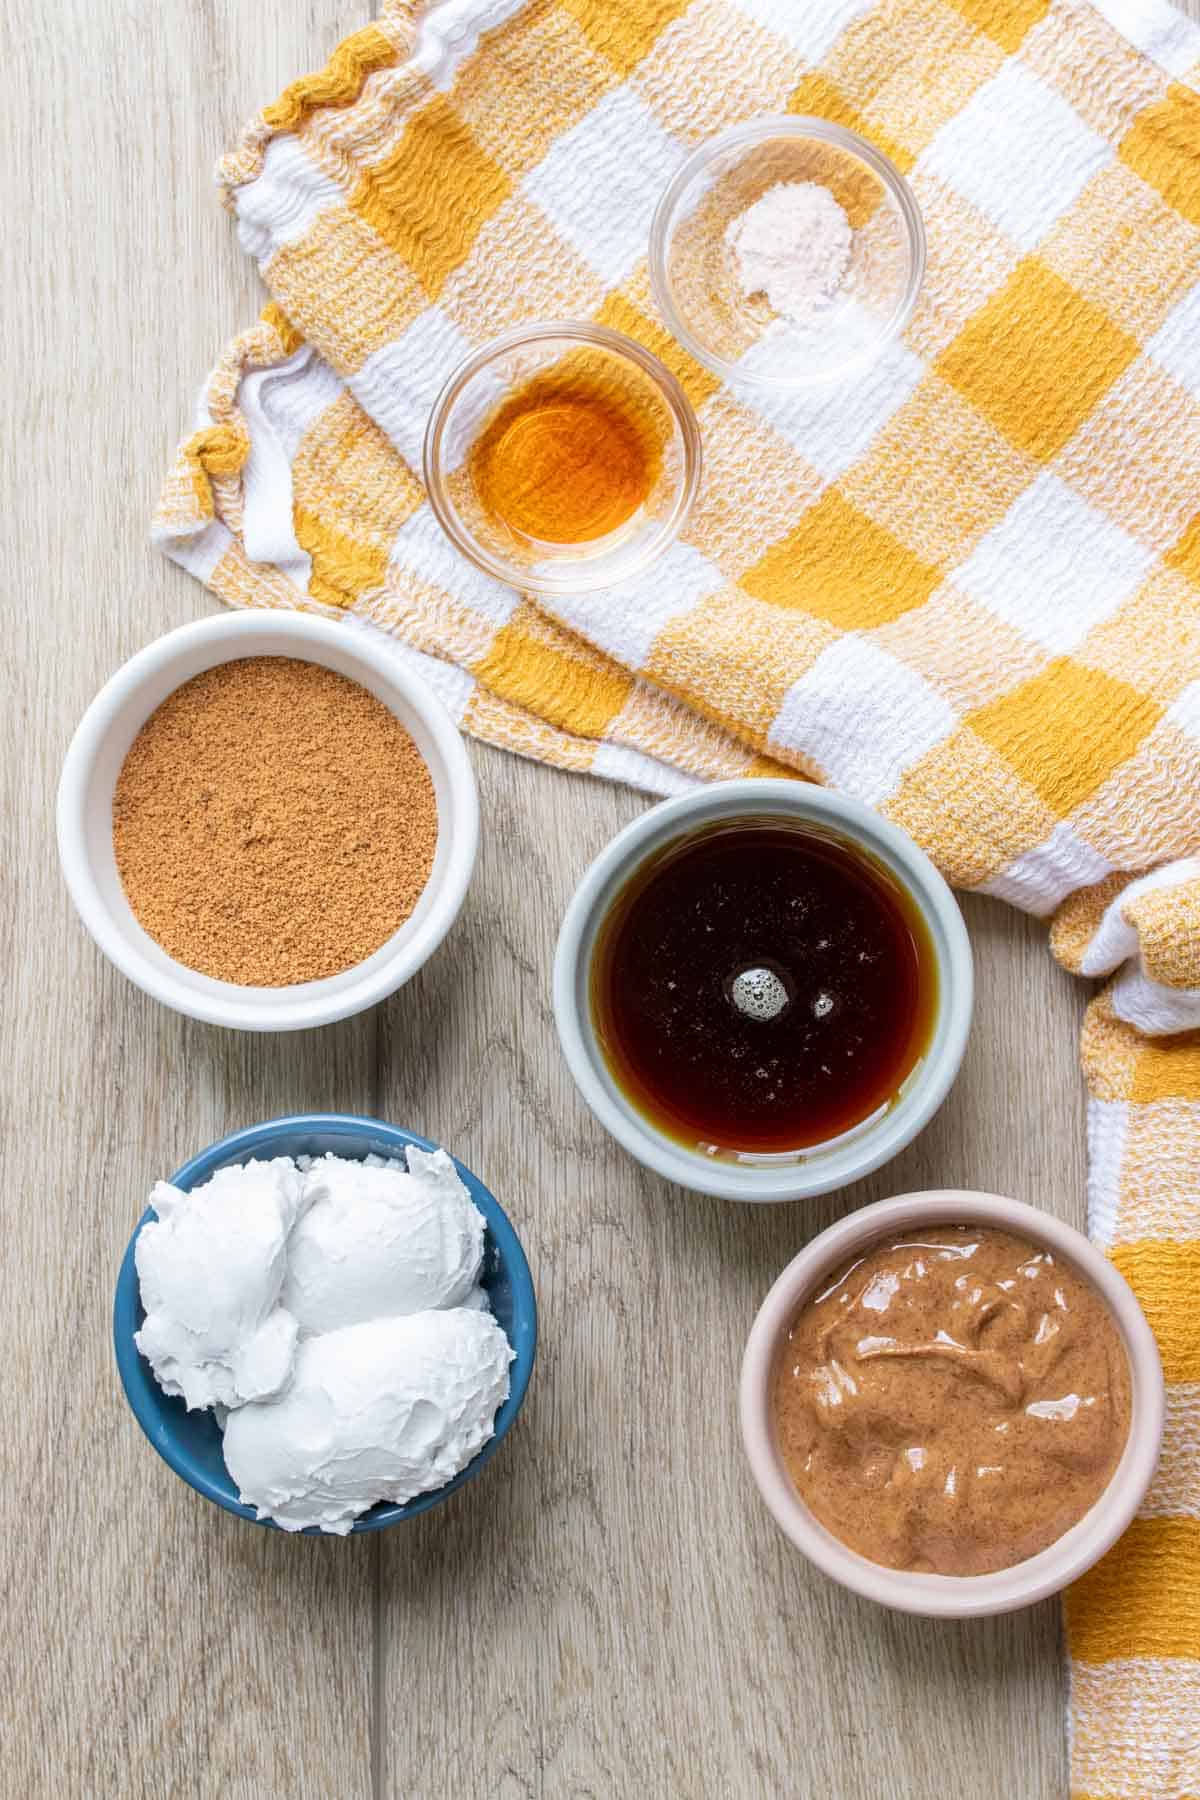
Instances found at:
x=965 y=591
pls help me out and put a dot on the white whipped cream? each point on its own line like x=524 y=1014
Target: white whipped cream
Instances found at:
x=375 y=1242
x=383 y=1410
x=211 y=1267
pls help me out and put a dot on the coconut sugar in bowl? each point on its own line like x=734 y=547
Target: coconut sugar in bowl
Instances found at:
x=266 y=821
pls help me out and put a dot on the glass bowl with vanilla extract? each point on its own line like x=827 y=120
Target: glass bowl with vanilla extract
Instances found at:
x=763 y=990
x=562 y=457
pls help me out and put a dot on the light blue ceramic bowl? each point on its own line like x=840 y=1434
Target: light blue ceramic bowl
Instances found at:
x=190 y=1441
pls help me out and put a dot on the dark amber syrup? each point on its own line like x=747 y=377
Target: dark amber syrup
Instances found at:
x=762 y=987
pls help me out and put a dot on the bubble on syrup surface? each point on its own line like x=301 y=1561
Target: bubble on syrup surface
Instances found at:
x=758 y=993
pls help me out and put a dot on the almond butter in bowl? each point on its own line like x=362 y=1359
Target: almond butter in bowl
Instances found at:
x=273 y=823
x=952 y=1403
x=953 y=1400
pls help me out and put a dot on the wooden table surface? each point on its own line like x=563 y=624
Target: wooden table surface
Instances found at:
x=608 y=1612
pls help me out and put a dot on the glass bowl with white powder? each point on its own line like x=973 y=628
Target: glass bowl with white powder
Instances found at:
x=787 y=252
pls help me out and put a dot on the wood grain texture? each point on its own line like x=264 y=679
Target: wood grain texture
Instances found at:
x=609 y=1612
x=153 y=1646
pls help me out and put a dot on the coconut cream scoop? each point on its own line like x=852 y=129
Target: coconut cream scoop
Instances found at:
x=330 y=1312
x=375 y=1242
x=384 y=1410
x=211 y=1267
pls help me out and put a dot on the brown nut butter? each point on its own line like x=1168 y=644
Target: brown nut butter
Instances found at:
x=952 y=1401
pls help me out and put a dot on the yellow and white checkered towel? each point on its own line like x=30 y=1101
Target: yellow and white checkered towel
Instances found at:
x=966 y=589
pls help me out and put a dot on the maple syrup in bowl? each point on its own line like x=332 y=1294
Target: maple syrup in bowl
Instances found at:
x=763 y=990
x=762 y=986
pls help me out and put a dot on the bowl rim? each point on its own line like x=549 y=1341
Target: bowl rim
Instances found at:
x=953 y=1596
x=795 y=125
x=146 y=1398
x=864 y=828
x=586 y=332
x=227 y=1004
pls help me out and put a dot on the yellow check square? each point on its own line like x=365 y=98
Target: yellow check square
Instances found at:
x=1184 y=554
x=1163 y=147
x=431 y=222
x=1035 y=358
x=623 y=30
x=1006 y=22
x=534 y=664
x=1066 y=730
x=1141 y=1599
x=621 y=312
x=839 y=565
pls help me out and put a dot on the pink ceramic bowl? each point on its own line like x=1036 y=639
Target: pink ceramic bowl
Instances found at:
x=953 y=1596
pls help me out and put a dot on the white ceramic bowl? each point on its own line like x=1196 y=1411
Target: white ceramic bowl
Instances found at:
x=953 y=1596
x=822 y=1168
x=89 y=778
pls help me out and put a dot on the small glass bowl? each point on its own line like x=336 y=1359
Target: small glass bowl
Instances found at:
x=470 y=400
x=695 y=278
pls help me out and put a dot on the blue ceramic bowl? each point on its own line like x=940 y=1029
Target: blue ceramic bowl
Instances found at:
x=190 y=1441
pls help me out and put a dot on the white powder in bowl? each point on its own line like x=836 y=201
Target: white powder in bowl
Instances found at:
x=793 y=245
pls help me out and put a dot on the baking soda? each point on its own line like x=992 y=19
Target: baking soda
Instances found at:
x=793 y=246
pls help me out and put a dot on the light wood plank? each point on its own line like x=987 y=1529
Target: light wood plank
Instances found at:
x=155 y=1646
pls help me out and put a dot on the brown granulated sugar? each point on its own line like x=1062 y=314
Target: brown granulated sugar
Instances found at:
x=273 y=823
